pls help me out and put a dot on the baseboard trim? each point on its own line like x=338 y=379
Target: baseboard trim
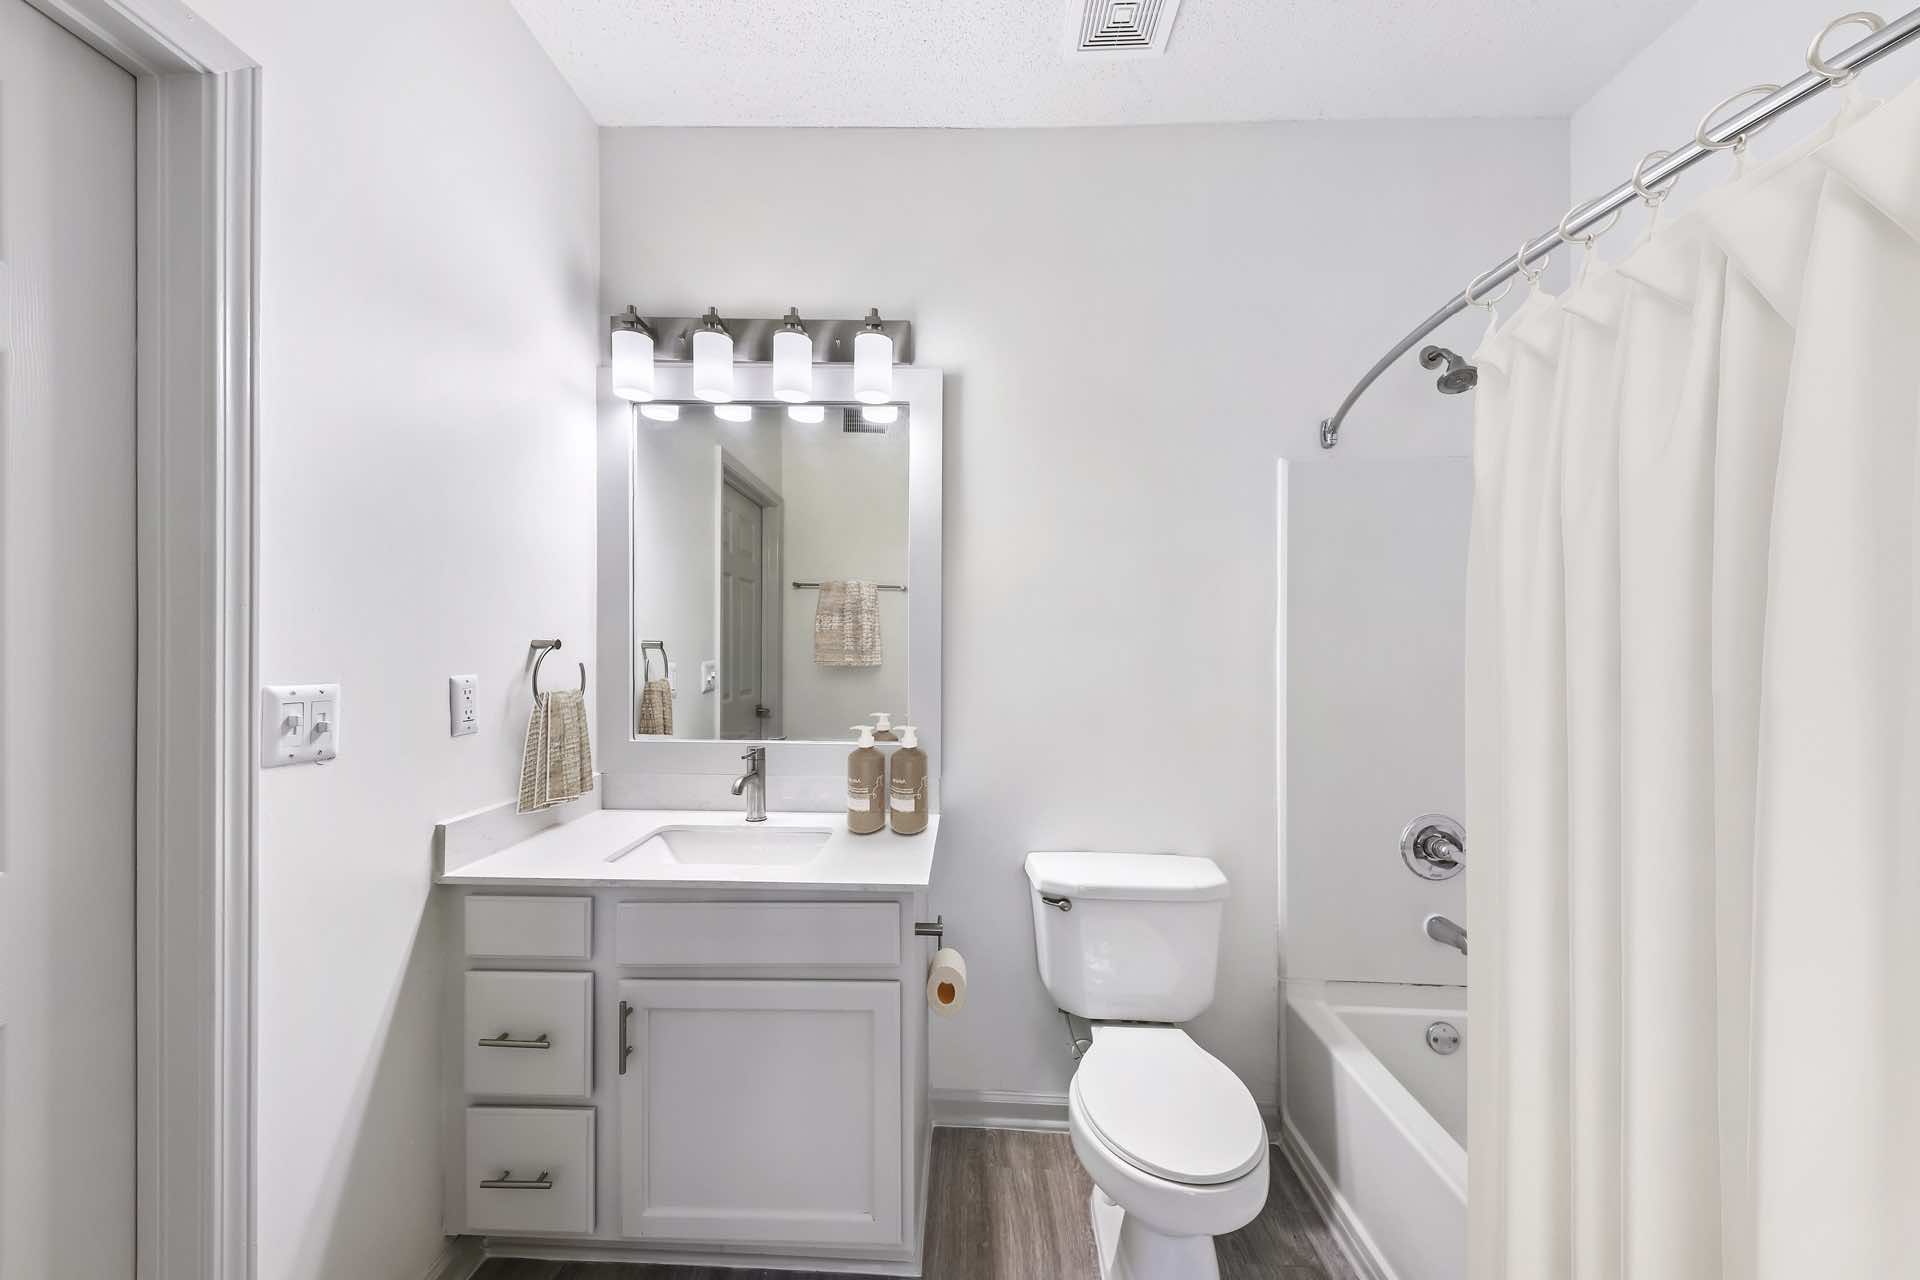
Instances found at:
x=458 y=1261
x=1348 y=1232
x=637 y=1253
x=998 y=1109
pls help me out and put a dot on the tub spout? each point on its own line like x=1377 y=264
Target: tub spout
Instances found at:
x=1441 y=929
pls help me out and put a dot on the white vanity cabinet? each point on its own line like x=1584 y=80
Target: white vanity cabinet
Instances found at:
x=761 y=1110
x=700 y=1074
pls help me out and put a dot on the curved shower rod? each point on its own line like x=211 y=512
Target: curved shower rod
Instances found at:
x=1876 y=46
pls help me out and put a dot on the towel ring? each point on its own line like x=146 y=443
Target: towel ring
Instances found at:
x=545 y=647
x=1739 y=141
x=666 y=664
x=1873 y=22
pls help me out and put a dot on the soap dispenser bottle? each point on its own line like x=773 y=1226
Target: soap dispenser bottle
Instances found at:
x=883 y=727
x=866 y=785
x=907 y=789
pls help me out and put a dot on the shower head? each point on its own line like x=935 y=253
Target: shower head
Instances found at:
x=1459 y=376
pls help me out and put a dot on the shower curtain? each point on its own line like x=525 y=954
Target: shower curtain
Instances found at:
x=1694 y=741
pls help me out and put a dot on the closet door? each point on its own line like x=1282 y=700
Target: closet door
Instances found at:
x=67 y=652
x=764 y=1112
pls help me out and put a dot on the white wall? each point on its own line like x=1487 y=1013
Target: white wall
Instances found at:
x=1135 y=324
x=429 y=331
x=1375 y=708
x=1713 y=49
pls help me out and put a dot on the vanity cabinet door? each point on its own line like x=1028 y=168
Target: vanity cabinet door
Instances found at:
x=761 y=1111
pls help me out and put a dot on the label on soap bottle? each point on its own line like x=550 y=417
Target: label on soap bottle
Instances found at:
x=862 y=799
x=905 y=800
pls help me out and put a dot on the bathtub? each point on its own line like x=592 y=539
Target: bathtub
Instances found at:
x=1376 y=1122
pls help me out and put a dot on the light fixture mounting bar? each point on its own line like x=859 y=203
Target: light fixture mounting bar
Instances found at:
x=753 y=338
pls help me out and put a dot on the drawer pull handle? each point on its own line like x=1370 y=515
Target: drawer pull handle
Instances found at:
x=626 y=1049
x=507 y=1182
x=505 y=1040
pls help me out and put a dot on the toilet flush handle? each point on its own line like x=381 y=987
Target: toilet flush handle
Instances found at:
x=1057 y=902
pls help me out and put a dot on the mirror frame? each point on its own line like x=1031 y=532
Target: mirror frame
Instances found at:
x=920 y=390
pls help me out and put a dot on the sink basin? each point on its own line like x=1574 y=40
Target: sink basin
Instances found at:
x=739 y=846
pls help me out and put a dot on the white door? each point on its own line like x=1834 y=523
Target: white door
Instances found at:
x=761 y=1111
x=742 y=574
x=67 y=649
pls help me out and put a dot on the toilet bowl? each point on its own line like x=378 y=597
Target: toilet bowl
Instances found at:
x=1175 y=1147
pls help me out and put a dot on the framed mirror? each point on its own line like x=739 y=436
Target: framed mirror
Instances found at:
x=767 y=576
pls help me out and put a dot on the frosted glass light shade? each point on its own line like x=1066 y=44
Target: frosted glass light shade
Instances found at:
x=807 y=412
x=632 y=364
x=713 y=365
x=872 y=367
x=884 y=415
x=661 y=412
x=733 y=412
x=792 y=366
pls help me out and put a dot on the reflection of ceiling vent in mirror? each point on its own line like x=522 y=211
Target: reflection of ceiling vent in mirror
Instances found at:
x=856 y=423
x=1119 y=28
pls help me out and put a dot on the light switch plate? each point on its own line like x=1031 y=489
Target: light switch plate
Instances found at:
x=299 y=724
x=463 y=705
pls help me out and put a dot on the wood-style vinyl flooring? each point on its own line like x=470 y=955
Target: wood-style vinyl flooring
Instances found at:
x=1013 y=1206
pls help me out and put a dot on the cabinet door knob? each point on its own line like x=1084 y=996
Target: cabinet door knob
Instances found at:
x=505 y=1040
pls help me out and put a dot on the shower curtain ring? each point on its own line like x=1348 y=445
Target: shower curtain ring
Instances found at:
x=1739 y=141
x=1593 y=233
x=1520 y=265
x=1873 y=22
x=1653 y=196
x=1488 y=303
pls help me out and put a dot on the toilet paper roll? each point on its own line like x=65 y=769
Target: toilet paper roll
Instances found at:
x=947 y=981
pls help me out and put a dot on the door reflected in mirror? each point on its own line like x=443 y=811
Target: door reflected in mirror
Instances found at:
x=769 y=571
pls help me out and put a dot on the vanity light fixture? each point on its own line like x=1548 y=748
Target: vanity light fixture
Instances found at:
x=808 y=413
x=632 y=356
x=881 y=415
x=792 y=360
x=713 y=359
x=733 y=412
x=872 y=361
x=661 y=412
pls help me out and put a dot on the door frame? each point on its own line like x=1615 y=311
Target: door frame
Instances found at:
x=197 y=146
x=732 y=471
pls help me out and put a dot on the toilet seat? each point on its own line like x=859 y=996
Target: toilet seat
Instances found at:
x=1168 y=1107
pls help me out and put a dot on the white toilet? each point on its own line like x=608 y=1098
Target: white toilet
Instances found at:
x=1172 y=1139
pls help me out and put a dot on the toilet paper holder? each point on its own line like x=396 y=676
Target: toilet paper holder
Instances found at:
x=935 y=929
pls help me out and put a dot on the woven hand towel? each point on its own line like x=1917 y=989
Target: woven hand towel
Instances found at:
x=656 y=708
x=557 y=763
x=846 y=625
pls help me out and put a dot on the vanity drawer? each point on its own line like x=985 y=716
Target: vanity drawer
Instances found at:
x=530 y=1035
x=529 y=928
x=715 y=934
x=530 y=1170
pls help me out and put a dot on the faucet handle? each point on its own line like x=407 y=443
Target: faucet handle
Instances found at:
x=755 y=753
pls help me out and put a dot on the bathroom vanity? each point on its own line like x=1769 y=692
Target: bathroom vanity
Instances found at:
x=676 y=1036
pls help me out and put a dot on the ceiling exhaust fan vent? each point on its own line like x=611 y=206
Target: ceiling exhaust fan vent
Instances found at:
x=1120 y=28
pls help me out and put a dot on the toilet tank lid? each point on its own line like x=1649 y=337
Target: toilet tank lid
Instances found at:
x=1128 y=877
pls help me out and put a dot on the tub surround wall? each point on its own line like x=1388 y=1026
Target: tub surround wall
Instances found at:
x=428 y=336
x=1114 y=417
x=1375 y=701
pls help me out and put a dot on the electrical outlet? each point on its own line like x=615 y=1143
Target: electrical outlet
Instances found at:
x=463 y=705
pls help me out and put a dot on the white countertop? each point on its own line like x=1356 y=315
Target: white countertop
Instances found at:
x=602 y=848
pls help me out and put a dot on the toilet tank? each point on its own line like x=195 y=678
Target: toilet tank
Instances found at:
x=1127 y=936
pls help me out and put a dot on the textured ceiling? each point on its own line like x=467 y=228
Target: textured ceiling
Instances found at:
x=987 y=63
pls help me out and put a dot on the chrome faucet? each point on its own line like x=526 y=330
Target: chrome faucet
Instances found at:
x=754 y=783
x=1441 y=929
